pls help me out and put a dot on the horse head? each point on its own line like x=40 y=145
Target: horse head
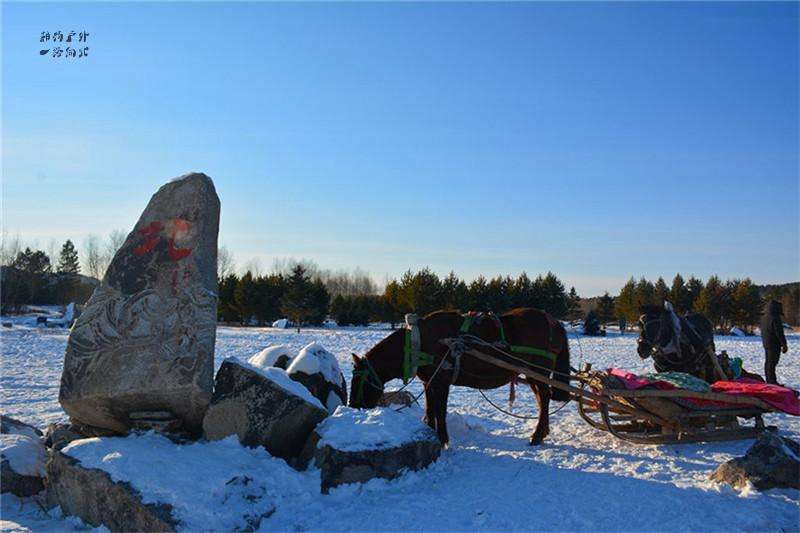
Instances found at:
x=366 y=387
x=655 y=330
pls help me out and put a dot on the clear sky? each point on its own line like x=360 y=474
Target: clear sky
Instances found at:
x=595 y=140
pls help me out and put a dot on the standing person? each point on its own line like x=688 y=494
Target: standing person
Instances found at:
x=773 y=339
x=622 y=324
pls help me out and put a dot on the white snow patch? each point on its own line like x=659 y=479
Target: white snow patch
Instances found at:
x=314 y=359
x=279 y=377
x=267 y=357
x=333 y=401
x=349 y=429
x=25 y=455
x=197 y=480
x=281 y=323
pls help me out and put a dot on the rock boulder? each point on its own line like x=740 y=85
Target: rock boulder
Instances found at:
x=318 y=370
x=772 y=462
x=22 y=460
x=145 y=340
x=279 y=356
x=93 y=496
x=354 y=446
x=263 y=407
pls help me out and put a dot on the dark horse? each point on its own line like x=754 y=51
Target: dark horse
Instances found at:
x=523 y=327
x=688 y=353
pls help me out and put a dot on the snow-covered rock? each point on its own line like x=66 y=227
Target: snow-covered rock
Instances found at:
x=22 y=460
x=356 y=445
x=281 y=323
x=10 y=425
x=88 y=491
x=772 y=462
x=146 y=482
x=279 y=356
x=263 y=407
x=317 y=369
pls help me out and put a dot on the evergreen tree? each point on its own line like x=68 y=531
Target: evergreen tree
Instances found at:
x=746 y=304
x=479 y=294
x=455 y=293
x=246 y=298
x=68 y=262
x=605 y=308
x=645 y=294
x=693 y=289
x=554 y=295
x=68 y=269
x=395 y=308
x=299 y=301
x=711 y=301
x=421 y=293
x=679 y=295
x=661 y=291
x=573 y=304
x=227 y=310
x=625 y=303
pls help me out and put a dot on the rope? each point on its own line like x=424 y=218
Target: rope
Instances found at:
x=521 y=417
x=424 y=386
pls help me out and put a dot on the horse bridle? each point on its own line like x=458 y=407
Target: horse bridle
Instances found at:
x=368 y=376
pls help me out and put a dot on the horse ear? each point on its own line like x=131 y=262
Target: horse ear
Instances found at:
x=356 y=359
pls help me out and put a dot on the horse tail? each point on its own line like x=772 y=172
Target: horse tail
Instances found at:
x=562 y=368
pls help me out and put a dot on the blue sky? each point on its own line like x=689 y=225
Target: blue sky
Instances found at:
x=595 y=140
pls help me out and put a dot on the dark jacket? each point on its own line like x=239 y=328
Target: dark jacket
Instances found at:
x=772 y=327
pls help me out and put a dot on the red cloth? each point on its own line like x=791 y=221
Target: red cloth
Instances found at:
x=782 y=398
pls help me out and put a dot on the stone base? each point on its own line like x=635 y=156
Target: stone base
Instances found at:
x=95 y=498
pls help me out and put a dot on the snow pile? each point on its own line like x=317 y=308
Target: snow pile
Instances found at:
x=281 y=323
x=314 y=359
x=280 y=378
x=267 y=357
x=350 y=430
x=25 y=455
x=212 y=486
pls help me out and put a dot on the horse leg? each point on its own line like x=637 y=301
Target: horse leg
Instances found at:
x=542 y=393
x=430 y=407
x=440 y=391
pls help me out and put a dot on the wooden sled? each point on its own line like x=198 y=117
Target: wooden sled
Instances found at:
x=645 y=416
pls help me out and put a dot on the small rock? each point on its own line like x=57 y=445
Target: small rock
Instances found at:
x=145 y=340
x=22 y=460
x=772 y=462
x=57 y=436
x=354 y=446
x=263 y=407
x=402 y=397
x=279 y=356
x=317 y=369
x=10 y=425
x=95 y=498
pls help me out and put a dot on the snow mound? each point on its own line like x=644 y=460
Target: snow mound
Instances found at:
x=25 y=455
x=314 y=359
x=212 y=486
x=267 y=357
x=350 y=430
x=281 y=323
x=280 y=378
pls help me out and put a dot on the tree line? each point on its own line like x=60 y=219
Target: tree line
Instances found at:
x=306 y=294
x=735 y=302
x=307 y=297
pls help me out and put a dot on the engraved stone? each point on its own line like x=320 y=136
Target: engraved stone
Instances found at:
x=145 y=341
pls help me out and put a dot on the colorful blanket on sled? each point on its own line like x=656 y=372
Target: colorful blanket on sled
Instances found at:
x=781 y=398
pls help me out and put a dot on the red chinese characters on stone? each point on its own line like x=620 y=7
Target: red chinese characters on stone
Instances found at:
x=173 y=230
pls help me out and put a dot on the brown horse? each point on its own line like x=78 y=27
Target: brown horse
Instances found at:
x=522 y=327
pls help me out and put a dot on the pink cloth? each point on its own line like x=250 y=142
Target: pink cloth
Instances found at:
x=782 y=398
x=633 y=382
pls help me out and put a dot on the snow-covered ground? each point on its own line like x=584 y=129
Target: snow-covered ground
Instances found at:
x=489 y=478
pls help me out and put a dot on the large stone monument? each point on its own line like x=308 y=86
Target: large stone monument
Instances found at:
x=143 y=348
